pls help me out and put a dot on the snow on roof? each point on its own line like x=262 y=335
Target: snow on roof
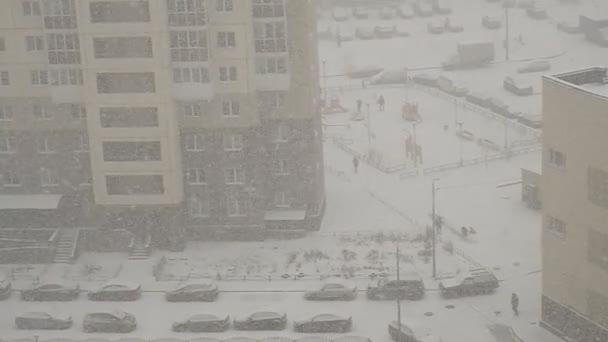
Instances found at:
x=597 y=88
x=285 y=215
x=41 y=202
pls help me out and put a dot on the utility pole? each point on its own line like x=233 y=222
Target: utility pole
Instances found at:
x=415 y=145
x=507 y=33
x=434 y=233
x=506 y=135
x=460 y=142
x=398 y=298
x=369 y=127
x=455 y=111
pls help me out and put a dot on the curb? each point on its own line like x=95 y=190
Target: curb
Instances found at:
x=514 y=334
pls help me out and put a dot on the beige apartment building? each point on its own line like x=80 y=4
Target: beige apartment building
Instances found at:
x=575 y=204
x=189 y=116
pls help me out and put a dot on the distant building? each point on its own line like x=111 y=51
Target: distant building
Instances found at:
x=575 y=204
x=169 y=117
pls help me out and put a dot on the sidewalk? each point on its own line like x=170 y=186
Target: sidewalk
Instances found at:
x=526 y=331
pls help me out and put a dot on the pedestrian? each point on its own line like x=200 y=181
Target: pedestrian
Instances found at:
x=438 y=223
x=359 y=104
x=381 y=103
x=515 y=303
x=355 y=164
x=464 y=231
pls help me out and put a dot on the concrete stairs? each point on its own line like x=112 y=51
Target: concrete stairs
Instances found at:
x=140 y=248
x=66 y=246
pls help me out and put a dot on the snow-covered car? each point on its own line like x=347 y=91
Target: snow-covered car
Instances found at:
x=446 y=85
x=386 y=13
x=497 y=105
x=405 y=12
x=525 y=4
x=488 y=144
x=116 y=291
x=345 y=36
x=517 y=87
x=534 y=66
x=109 y=321
x=51 y=291
x=202 y=323
x=466 y=135
x=384 y=32
x=491 y=23
x=409 y=286
x=536 y=12
x=194 y=291
x=360 y=14
x=454 y=27
x=532 y=121
x=422 y=8
x=5 y=287
x=402 y=32
x=339 y=14
x=426 y=80
x=365 y=33
x=441 y=7
x=44 y=319
x=435 y=28
x=479 y=99
x=324 y=323
x=262 y=320
x=391 y=77
x=569 y=27
x=334 y=289
x=509 y=3
x=401 y=333
x=475 y=282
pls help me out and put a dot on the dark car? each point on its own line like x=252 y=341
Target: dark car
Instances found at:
x=515 y=87
x=333 y=290
x=479 y=99
x=203 y=323
x=474 y=282
x=491 y=23
x=426 y=80
x=116 y=291
x=325 y=323
x=199 y=291
x=110 y=321
x=534 y=66
x=51 y=291
x=401 y=333
x=263 y=320
x=409 y=286
x=5 y=287
x=43 y=320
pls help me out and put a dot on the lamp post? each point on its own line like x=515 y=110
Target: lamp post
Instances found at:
x=460 y=123
x=398 y=298
x=434 y=233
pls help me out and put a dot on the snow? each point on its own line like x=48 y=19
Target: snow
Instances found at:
x=42 y=202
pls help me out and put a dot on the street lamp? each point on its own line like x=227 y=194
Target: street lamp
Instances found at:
x=460 y=123
x=434 y=230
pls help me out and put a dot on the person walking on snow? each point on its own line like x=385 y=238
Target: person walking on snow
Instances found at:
x=359 y=104
x=515 y=304
x=381 y=103
x=355 y=164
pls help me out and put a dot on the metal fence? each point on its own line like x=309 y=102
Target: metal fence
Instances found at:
x=343 y=144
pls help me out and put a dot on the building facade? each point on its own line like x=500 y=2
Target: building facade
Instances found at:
x=575 y=204
x=195 y=116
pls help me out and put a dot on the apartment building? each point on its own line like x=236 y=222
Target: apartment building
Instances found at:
x=575 y=204
x=163 y=116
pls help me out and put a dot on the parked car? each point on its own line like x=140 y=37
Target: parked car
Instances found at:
x=324 y=323
x=384 y=32
x=516 y=87
x=116 y=291
x=534 y=66
x=386 y=13
x=401 y=333
x=525 y=4
x=365 y=33
x=51 y=291
x=194 y=291
x=489 y=144
x=508 y=3
x=474 y=282
x=409 y=286
x=440 y=7
x=333 y=289
x=491 y=23
x=422 y=8
x=536 y=12
x=479 y=99
x=391 y=77
x=5 y=287
x=497 y=106
x=446 y=85
x=465 y=134
x=435 y=28
x=569 y=27
x=339 y=14
x=109 y=321
x=203 y=323
x=426 y=80
x=532 y=121
x=402 y=32
x=48 y=320
x=454 y=27
x=262 y=320
x=405 y=12
x=360 y=14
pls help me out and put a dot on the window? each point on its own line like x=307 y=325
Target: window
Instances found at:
x=195 y=142
x=226 y=39
x=47 y=177
x=281 y=200
x=231 y=108
x=237 y=205
x=39 y=77
x=196 y=176
x=199 y=207
x=2 y=46
x=6 y=112
x=228 y=74
x=124 y=117
x=34 y=43
x=59 y=14
x=597 y=253
x=188 y=46
x=41 y=112
x=63 y=48
x=125 y=82
x=135 y=185
x=556 y=158
x=46 y=145
x=282 y=133
x=125 y=151
x=7 y=142
x=272 y=99
x=234 y=176
x=11 y=178
x=233 y=142
x=66 y=76
x=122 y=47
x=192 y=109
x=129 y=11
x=30 y=7
x=186 y=12
x=270 y=65
x=270 y=37
x=191 y=75
x=76 y=110
x=224 y=5
x=555 y=225
x=4 y=78
x=268 y=8
x=81 y=144
x=597 y=186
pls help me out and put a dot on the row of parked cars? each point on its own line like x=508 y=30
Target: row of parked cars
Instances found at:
x=421 y=8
